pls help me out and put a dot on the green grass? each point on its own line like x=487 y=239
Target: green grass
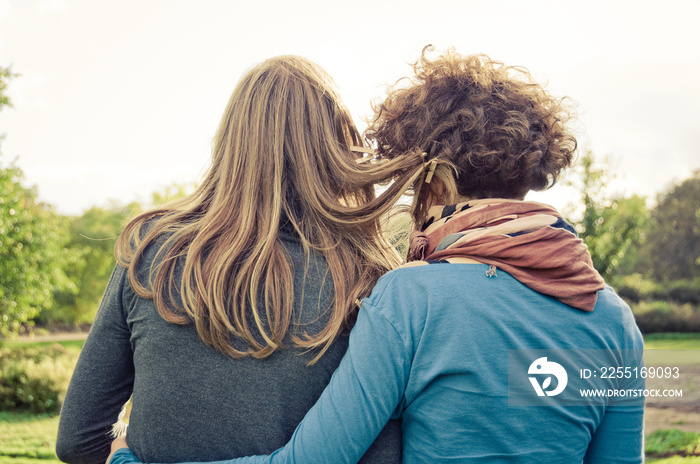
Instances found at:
x=28 y=436
x=70 y=345
x=673 y=460
x=672 y=341
x=672 y=349
x=672 y=442
x=8 y=460
x=31 y=439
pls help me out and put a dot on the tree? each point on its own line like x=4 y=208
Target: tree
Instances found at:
x=611 y=226
x=170 y=193
x=91 y=250
x=91 y=246
x=31 y=249
x=31 y=245
x=5 y=75
x=673 y=247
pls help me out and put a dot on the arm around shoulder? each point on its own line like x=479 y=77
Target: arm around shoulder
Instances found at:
x=363 y=394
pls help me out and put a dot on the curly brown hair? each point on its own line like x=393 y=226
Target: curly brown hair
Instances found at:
x=502 y=132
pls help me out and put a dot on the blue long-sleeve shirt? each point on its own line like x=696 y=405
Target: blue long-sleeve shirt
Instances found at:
x=432 y=346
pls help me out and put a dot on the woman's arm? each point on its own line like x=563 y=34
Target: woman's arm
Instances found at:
x=363 y=394
x=102 y=382
x=619 y=437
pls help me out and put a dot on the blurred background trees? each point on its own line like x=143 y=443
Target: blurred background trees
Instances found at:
x=650 y=256
x=54 y=268
x=90 y=248
x=32 y=237
x=32 y=240
x=612 y=226
x=673 y=242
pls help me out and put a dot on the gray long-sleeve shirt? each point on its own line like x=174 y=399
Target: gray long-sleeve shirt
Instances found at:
x=191 y=402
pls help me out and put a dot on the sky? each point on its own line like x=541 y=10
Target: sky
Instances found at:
x=117 y=99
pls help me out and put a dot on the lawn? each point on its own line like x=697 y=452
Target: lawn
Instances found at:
x=71 y=345
x=31 y=438
x=672 y=349
x=672 y=341
x=27 y=438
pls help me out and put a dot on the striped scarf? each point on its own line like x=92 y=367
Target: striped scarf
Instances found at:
x=528 y=240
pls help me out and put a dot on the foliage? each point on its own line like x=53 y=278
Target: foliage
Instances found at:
x=35 y=379
x=635 y=287
x=91 y=243
x=170 y=193
x=613 y=227
x=661 y=306
x=666 y=316
x=5 y=75
x=92 y=238
x=673 y=248
x=31 y=245
x=662 y=443
x=32 y=238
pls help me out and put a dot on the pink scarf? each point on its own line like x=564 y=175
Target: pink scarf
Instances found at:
x=528 y=240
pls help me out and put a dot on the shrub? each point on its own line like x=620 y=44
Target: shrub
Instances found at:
x=634 y=287
x=35 y=378
x=666 y=316
x=684 y=291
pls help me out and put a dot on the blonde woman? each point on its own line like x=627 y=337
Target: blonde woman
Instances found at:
x=225 y=315
x=455 y=342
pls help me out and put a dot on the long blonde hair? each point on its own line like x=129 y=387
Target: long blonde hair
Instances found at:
x=283 y=154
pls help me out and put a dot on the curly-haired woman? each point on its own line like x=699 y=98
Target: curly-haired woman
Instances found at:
x=446 y=342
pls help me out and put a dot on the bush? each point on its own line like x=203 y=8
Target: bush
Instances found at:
x=35 y=379
x=684 y=291
x=666 y=316
x=661 y=307
x=634 y=287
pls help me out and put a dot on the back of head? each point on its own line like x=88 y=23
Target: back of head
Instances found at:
x=282 y=158
x=500 y=133
x=284 y=127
